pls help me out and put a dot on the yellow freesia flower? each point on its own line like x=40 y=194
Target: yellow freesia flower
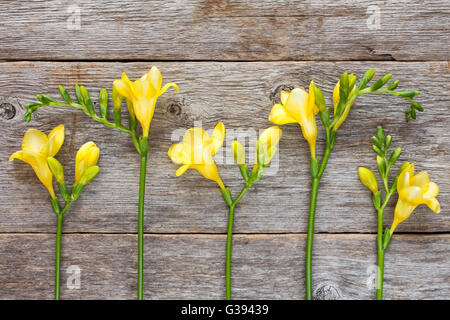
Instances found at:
x=197 y=150
x=298 y=106
x=414 y=190
x=268 y=140
x=368 y=179
x=36 y=148
x=87 y=156
x=336 y=98
x=142 y=94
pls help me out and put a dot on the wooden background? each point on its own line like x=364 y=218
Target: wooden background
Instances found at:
x=230 y=60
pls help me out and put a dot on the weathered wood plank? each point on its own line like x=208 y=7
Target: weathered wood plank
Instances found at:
x=239 y=94
x=225 y=30
x=192 y=267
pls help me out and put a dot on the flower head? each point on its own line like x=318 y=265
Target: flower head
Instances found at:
x=414 y=190
x=142 y=94
x=37 y=147
x=298 y=106
x=87 y=156
x=196 y=152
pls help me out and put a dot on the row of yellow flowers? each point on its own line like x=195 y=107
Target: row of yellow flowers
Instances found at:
x=197 y=150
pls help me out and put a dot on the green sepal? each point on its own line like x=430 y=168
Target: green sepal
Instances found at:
x=55 y=205
x=76 y=191
x=386 y=238
x=376 y=199
x=89 y=174
x=382 y=166
x=260 y=154
x=227 y=196
x=143 y=145
x=393 y=185
x=63 y=189
x=244 y=172
x=320 y=100
x=325 y=116
x=103 y=102
x=64 y=94
x=387 y=142
x=117 y=117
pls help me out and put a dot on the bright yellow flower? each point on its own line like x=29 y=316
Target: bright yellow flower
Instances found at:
x=197 y=150
x=336 y=98
x=87 y=156
x=414 y=190
x=298 y=106
x=36 y=148
x=238 y=152
x=143 y=94
x=368 y=179
x=268 y=140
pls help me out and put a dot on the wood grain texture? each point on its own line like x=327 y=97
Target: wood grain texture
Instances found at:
x=264 y=266
x=240 y=95
x=224 y=30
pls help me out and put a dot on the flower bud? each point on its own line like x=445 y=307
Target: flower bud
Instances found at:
x=368 y=179
x=103 y=101
x=238 y=152
x=394 y=156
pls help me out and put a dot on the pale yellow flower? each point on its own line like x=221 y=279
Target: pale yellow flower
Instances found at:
x=197 y=150
x=142 y=94
x=268 y=141
x=298 y=106
x=37 y=147
x=414 y=190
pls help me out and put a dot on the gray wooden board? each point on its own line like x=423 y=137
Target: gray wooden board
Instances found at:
x=240 y=94
x=224 y=30
x=192 y=266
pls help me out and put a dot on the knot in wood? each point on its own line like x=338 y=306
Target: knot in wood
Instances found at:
x=275 y=94
x=327 y=291
x=7 y=111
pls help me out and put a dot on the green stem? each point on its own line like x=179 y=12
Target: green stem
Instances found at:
x=230 y=240
x=228 y=254
x=380 y=256
x=310 y=236
x=58 y=255
x=141 y=226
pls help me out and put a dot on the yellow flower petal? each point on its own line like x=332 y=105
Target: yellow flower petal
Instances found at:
x=432 y=191
x=40 y=167
x=55 y=140
x=402 y=211
x=217 y=137
x=368 y=179
x=405 y=177
x=210 y=172
x=279 y=116
x=270 y=137
x=284 y=95
x=167 y=86
x=312 y=98
x=421 y=180
x=155 y=78
x=176 y=153
x=411 y=194
x=182 y=169
x=34 y=140
x=296 y=104
x=433 y=204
